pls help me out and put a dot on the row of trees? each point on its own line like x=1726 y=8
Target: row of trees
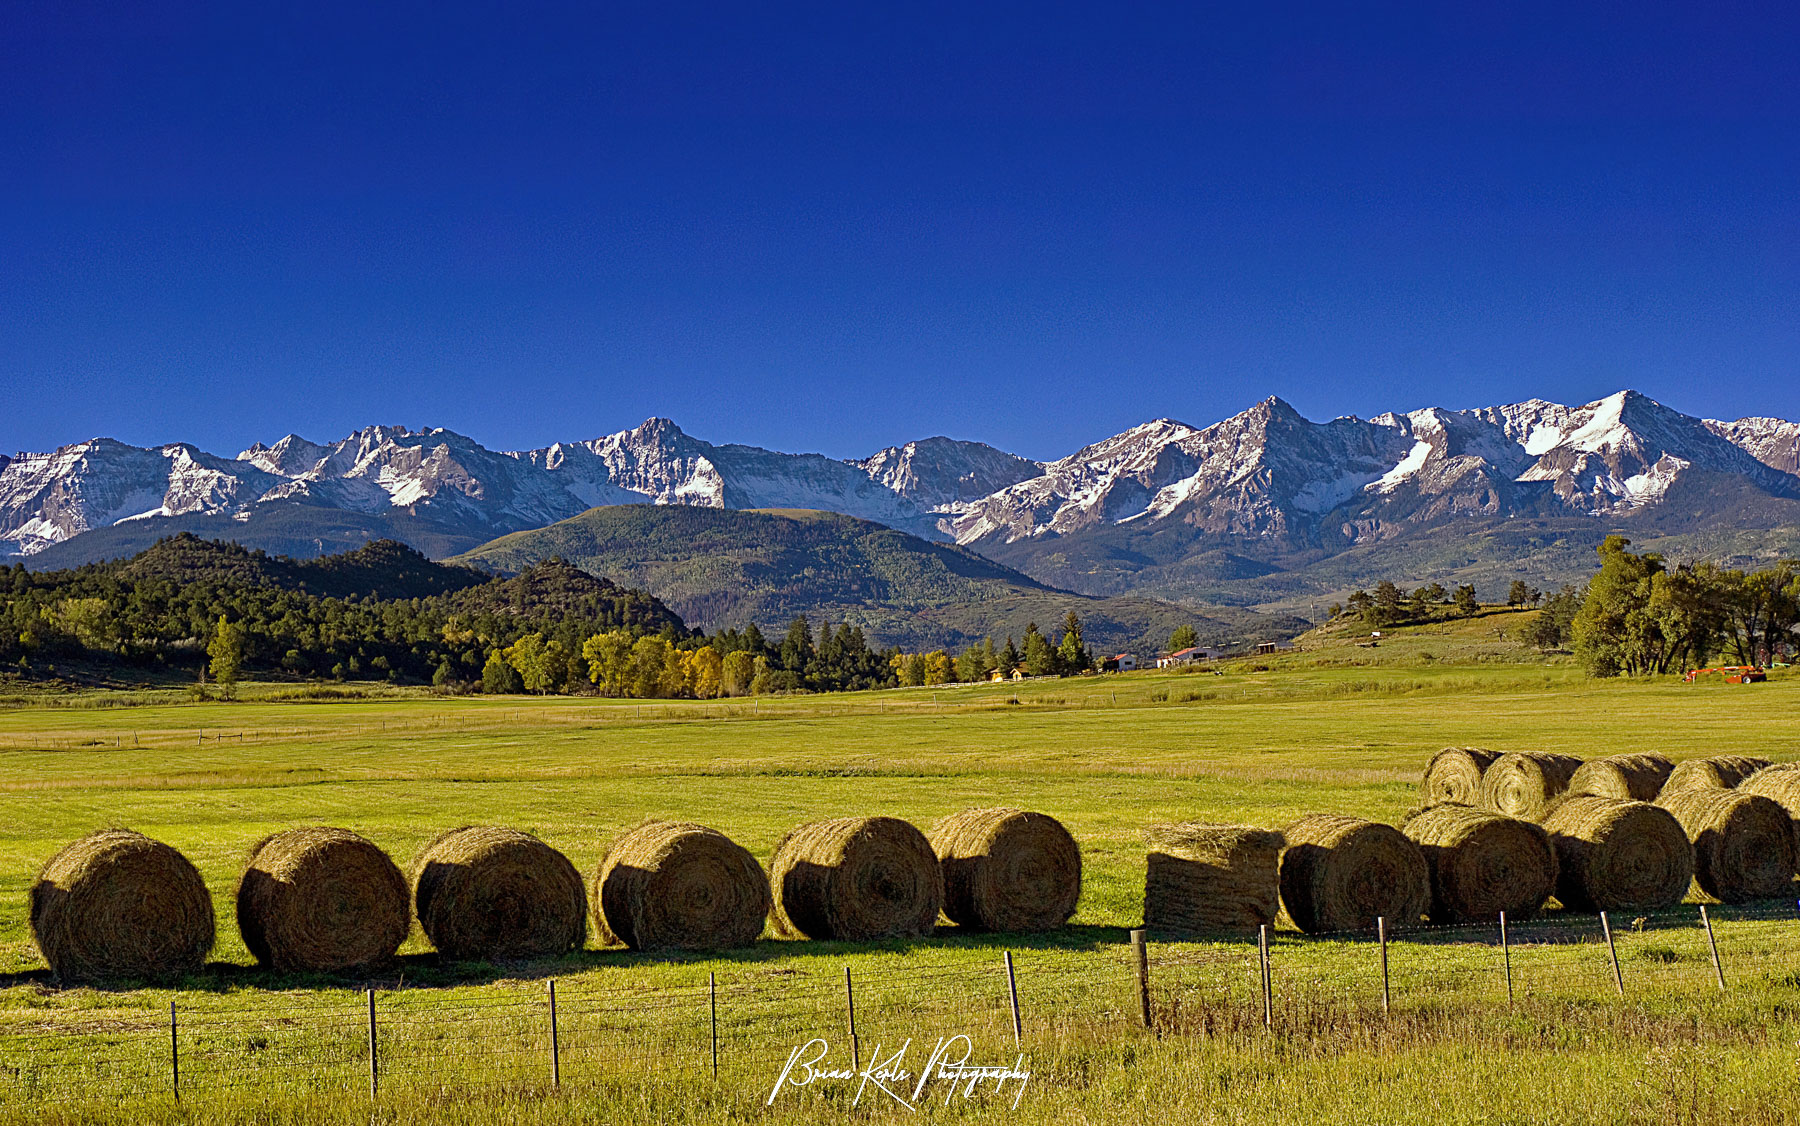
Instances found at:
x=1038 y=655
x=1639 y=615
x=1388 y=605
x=743 y=663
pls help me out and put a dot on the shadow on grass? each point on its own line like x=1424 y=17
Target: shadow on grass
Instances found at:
x=431 y=971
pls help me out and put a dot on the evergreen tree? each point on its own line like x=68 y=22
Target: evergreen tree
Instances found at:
x=1521 y=593
x=1009 y=657
x=753 y=642
x=972 y=665
x=1039 y=659
x=797 y=648
x=1072 y=654
x=1466 y=605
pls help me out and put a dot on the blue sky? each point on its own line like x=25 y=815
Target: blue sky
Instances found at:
x=837 y=227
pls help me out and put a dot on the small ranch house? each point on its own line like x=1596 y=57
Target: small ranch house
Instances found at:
x=1186 y=657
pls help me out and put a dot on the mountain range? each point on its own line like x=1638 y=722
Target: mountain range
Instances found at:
x=1263 y=508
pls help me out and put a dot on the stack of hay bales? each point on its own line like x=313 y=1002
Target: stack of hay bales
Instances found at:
x=1781 y=785
x=1006 y=870
x=118 y=905
x=1720 y=772
x=1211 y=879
x=1342 y=873
x=1482 y=863
x=1743 y=843
x=856 y=879
x=1618 y=855
x=673 y=885
x=1524 y=783
x=1454 y=775
x=1633 y=777
x=321 y=900
x=492 y=894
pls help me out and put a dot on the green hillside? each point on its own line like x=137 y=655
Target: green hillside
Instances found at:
x=725 y=568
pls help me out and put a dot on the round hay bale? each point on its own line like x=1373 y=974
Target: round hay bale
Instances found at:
x=1618 y=855
x=1482 y=863
x=1454 y=775
x=492 y=894
x=1524 y=783
x=1720 y=772
x=1342 y=873
x=116 y=904
x=1007 y=870
x=1743 y=843
x=674 y=885
x=1637 y=777
x=1211 y=879
x=1780 y=784
x=856 y=879
x=321 y=900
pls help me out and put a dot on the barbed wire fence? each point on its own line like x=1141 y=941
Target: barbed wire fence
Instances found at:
x=725 y=1022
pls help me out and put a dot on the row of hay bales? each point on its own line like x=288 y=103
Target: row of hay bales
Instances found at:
x=1450 y=863
x=117 y=904
x=1497 y=833
x=1740 y=815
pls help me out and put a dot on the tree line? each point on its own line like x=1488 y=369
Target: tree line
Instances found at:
x=1636 y=615
x=209 y=610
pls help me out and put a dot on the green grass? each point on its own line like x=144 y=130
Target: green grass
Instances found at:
x=1333 y=727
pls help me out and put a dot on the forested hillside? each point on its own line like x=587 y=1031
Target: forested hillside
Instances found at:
x=722 y=568
x=381 y=611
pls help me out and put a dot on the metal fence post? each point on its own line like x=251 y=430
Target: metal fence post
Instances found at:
x=1713 y=943
x=1141 y=964
x=1381 y=934
x=374 y=1065
x=712 y=1001
x=555 y=1042
x=174 y=1055
x=1612 y=952
x=850 y=1007
x=1012 y=990
x=1506 y=957
x=1268 y=992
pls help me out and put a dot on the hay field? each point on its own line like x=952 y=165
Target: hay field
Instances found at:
x=1107 y=756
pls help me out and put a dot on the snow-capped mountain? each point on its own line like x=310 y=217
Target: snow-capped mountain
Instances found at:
x=944 y=475
x=1769 y=440
x=1267 y=475
x=456 y=483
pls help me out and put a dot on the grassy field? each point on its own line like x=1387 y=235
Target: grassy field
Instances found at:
x=1335 y=727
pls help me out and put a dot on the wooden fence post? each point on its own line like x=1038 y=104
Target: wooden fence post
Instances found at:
x=174 y=1055
x=1506 y=956
x=1142 y=964
x=1713 y=943
x=712 y=1002
x=850 y=1007
x=1381 y=934
x=374 y=1065
x=1268 y=992
x=555 y=1041
x=1012 y=990
x=1612 y=952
